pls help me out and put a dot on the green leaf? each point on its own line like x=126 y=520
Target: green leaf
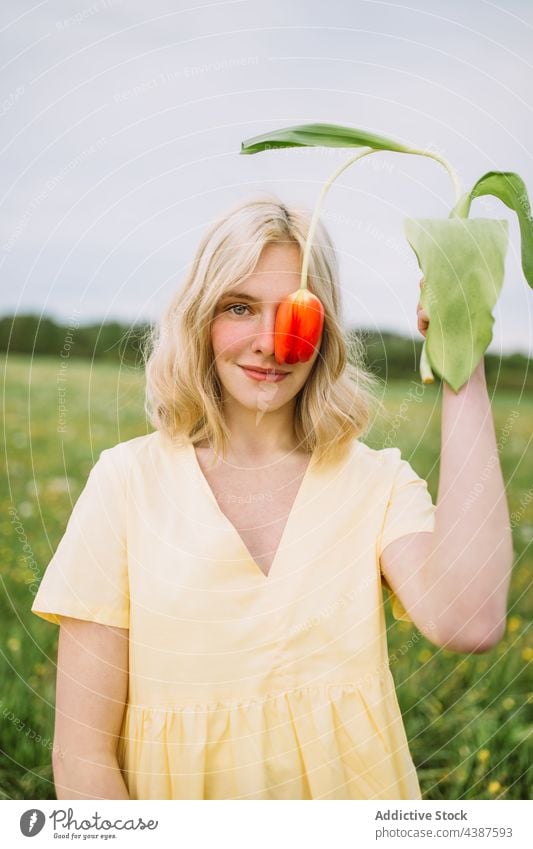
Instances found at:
x=510 y=188
x=320 y=135
x=462 y=261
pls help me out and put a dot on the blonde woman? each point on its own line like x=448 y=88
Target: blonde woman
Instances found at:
x=219 y=584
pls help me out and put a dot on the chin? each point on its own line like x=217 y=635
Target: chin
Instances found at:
x=256 y=401
x=265 y=397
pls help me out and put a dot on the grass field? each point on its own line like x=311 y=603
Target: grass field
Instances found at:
x=467 y=716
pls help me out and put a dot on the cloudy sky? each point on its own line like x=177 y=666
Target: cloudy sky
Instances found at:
x=122 y=124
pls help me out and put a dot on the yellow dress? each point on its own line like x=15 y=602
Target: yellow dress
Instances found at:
x=245 y=686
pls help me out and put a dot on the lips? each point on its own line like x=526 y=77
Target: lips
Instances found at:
x=264 y=370
x=268 y=375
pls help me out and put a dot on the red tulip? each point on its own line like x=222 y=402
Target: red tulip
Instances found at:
x=299 y=323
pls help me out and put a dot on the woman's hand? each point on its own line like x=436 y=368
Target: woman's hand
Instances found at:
x=422 y=316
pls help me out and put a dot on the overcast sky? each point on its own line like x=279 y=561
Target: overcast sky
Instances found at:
x=122 y=124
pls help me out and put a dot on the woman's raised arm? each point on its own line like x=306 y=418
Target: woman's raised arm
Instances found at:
x=91 y=692
x=457 y=578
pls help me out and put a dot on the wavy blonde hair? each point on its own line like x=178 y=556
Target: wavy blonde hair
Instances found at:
x=183 y=393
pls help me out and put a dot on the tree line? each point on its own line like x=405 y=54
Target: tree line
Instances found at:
x=389 y=355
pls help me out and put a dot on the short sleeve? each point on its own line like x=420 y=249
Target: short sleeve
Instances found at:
x=87 y=577
x=410 y=509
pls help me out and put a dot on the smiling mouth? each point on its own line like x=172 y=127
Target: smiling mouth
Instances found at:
x=271 y=376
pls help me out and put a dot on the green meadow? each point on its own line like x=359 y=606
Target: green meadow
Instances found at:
x=467 y=716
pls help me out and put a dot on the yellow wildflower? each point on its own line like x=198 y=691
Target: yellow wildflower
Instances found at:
x=527 y=653
x=514 y=623
x=13 y=643
x=494 y=786
x=508 y=703
x=483 y=755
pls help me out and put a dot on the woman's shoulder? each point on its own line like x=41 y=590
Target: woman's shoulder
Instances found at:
x=384 y=464
x=140 y=451
x=384 y=458
x=364 y=466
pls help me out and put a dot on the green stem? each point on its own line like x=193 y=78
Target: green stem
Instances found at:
x=364 y=152
x=318 y=206
x=460 y=209
x=457 y=188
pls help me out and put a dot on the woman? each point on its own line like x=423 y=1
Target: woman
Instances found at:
x=219 y=585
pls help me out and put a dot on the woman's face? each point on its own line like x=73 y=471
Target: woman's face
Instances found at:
x=242 y=333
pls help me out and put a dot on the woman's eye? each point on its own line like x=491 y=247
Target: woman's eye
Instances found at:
x=236 y=306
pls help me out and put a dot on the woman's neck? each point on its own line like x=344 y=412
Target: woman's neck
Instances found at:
x=259 y=438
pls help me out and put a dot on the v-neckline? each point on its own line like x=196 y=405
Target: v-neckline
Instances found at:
x=283 y=539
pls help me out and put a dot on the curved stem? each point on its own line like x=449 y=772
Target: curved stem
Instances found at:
x=458 y=190
x=318 y=206
x=462 y=207
x=365 y=152
x=459 y=209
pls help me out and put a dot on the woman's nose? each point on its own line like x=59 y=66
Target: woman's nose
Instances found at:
x=263 y=338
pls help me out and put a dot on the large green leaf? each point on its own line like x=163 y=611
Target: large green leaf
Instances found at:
x=462 y=261
x=320 y=135
x=510 y=188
